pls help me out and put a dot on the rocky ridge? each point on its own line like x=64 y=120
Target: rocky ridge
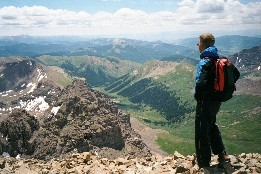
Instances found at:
x=86 y=162
x=39 y=120
x=79 y=119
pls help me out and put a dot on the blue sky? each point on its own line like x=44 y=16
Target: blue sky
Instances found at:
x=130 y=18
x=93 y=6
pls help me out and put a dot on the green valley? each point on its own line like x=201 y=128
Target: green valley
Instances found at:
x=167 y=102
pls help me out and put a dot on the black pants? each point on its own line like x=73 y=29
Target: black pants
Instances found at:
x=207 y=134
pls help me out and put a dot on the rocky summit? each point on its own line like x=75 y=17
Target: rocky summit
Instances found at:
x=93 y=163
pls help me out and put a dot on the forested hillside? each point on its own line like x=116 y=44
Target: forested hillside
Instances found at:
x=96 y=70
x=166 y=92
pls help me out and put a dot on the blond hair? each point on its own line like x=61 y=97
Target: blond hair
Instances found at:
x=207 y=40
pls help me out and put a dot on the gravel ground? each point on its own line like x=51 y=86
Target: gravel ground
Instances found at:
x=148 y=135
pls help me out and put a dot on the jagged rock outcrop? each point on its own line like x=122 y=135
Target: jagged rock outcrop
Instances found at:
x=73 y=119
x=16 y=131
x=78 y=119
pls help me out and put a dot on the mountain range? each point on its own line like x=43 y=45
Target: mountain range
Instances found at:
x=133 y=50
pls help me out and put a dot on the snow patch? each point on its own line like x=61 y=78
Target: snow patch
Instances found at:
x=30 y=63
x=37 y=104
x=40 y=75
x=33 y=87
x=5 y=93
x=18 y=156
x=51 y=92
x=55 y=110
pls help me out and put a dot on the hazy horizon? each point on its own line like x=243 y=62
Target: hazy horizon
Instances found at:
x=134 y=19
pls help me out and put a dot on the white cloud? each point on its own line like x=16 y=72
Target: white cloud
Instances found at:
x=189 y=3
x=220 y=14
x=213 y=6
x=197 y=15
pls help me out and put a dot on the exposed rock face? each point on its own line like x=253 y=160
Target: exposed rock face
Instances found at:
x=16 y=131
x=77 y=119
x=247 y=59
x=16 y=74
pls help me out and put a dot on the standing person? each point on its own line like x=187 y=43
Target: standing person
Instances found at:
x=207 y=134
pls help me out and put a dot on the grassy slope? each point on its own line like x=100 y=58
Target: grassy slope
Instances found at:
x=56 y=74
x=239 y=120
x=181 y=82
